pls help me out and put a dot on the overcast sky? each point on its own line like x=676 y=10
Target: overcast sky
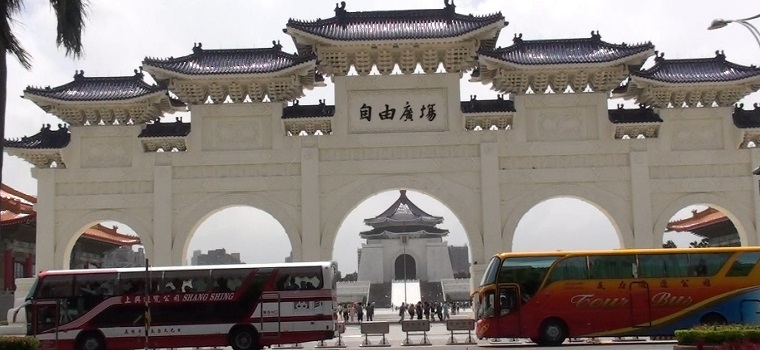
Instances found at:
x=120 y=34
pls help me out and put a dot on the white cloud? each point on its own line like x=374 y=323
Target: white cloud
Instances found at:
x=120 y=34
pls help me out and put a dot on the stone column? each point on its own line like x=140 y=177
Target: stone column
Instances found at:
x=8 y=270
x=163 y=209
x=641 y=201
x=311 y=247
x=29 y=266
x=490 y=202
x=47 y=234
x=755 y=163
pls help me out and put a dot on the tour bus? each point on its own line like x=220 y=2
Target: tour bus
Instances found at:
x=243 y=306
x=551 y=296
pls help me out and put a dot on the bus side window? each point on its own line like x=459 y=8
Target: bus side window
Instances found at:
x=706 y=264
x=573 y=268
x=613 y=266
x=663 y=265
x=300 y=278
x=743 y=265
x=56 y=287
x=228 y=280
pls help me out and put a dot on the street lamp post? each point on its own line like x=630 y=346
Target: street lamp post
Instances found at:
x=720 y=23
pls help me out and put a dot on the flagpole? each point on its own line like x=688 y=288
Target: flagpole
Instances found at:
x=146 y=298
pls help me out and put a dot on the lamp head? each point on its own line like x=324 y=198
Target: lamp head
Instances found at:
x=718 y=23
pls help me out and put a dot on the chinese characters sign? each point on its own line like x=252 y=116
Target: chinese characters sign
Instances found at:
x=398 y=111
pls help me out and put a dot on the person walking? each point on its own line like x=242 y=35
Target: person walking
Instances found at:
x=371 y=311
x=360 y=313
x=402 y=312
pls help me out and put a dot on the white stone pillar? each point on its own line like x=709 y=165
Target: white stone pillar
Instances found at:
x=641 y=201
x=476 y=274
x=490 y=202
x=755 y=163
x=163 y=208
x=310 y=224
x=47 y=234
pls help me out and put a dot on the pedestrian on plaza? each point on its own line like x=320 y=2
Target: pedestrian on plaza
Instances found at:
x=411 y=309
x=344 y=311
x=426 y=310
x=446 y=311
x=402 y=312
x=371 y=311
x=360 y=313
x=419 y=310
x=352 y=312
x=439 y=311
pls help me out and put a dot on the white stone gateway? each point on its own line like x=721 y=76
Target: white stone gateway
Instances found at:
x=489 y=161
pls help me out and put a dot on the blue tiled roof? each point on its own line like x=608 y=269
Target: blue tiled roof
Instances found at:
x=487 y=106
x=395 y=25
x=98 y=88
x=700 y=70
x=298 y=110
x=232 y=61
x=565 y=51
x=45 y=139
x=158 y=129
x=642 y=114
x=745 y=119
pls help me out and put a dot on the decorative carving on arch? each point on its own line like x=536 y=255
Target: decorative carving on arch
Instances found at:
x=70 y=232
x=454 y=195
x=190 y=218
x=739 y=216
x=611 y=205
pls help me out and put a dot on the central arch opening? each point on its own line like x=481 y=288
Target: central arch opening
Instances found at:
x=402 y=246
x=406 y=268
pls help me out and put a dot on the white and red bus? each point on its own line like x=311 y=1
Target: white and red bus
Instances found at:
x=244 y=306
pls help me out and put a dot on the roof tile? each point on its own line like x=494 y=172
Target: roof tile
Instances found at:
x=230 y=61
x=700 y=70
x=98 y=88
x=45 y=139
x=487 y=106
x=745 y=119
x=643 y=114
x=565 y=51
x=395 y=25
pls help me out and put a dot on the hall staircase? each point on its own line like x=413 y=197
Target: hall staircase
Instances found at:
x=431 y=291
x=380 y=293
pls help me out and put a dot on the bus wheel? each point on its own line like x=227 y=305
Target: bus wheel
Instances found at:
x=712 y=318
x=244 y=338
x=553 y=333
x=91 y=341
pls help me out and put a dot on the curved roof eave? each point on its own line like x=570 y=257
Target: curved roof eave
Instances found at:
x=163 y=72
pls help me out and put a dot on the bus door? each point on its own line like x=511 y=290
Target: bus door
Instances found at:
x=640 y=304
x=271 y=313
x=46 y=316
x=750 y=311
x=507 y=309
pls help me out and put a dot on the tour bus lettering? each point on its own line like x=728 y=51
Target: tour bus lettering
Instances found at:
x=668 y=299
x=589 y=301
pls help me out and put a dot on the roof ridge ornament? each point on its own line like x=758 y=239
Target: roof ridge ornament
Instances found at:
x=720 y=55
x=139 y=72
x=659 y=56
x=197 y=48
x=340 y=9
x=449 y=6
x=517 y=39
x=276 y=46
x=78 y=75
x=596 y=36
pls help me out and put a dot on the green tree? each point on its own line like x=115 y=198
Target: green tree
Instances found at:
x=704 y=243
x=669 y=244
x=70 y=14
